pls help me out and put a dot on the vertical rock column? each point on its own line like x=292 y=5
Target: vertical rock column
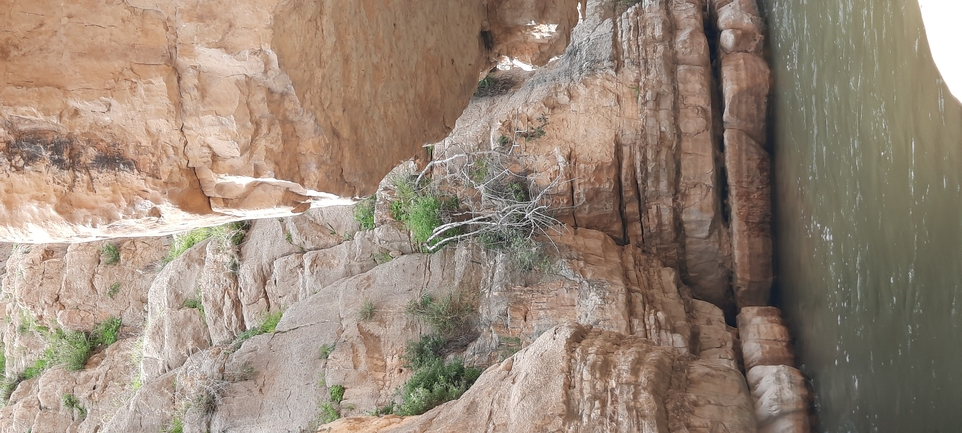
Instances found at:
x=645 y=36
x=745 y=82
x=706 y=244
x=782 y=399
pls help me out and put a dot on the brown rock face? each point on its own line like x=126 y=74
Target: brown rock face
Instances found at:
x=589 y=380
x=745 y=84
x=148 y=117
x=631 y=113
x=783 y=400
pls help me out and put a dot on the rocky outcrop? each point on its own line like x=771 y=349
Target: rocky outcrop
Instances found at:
x=782 y=396
x=653 y=166
x=651 y=156
x=745 y=85
x=589 y=380
x=149 y=117
x=321 y=277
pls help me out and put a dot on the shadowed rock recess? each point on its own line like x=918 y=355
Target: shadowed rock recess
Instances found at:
x=642 y=124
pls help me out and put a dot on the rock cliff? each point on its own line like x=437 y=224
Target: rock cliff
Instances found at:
x=123 y=118
x=646 y=137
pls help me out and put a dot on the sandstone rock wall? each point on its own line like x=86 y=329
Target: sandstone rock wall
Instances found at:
x=320 y=280
x=124 y=118
x=650 y=143
x=623 y=332
x=783 y=398
x=745 y=84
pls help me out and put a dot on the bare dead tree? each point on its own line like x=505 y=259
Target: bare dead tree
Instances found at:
x=498 y=205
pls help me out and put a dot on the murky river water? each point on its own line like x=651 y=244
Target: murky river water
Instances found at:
x=868 y=197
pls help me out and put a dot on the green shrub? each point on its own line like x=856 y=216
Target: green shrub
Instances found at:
x=337 y=393
x=328 y=413
x=35 y=369
x=109 y=254
x=434 y=383
x=268 y=325
x=446 y=315
x=114 y=289
x=364 y=213
x=70 y=348
x=420 y=209
x=7 y=386
x=105 y=333
x=421 y=352
x=367 y=310
x=233 y=233
x=270 y=322
x=325 y=351
x=424 y=216
x=196 y=304
x=71 y=403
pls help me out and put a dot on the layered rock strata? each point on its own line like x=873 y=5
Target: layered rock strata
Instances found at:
x=745 y=84
x=630 y=119
x=783 y=399
x=678 y=364
x=123 y=118
x=616 y=336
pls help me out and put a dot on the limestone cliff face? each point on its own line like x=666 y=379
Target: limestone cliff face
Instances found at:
x=120 y=118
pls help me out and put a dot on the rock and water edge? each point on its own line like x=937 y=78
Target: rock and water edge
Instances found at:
x=642 y=126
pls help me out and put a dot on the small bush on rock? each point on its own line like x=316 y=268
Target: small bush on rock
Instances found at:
x=434 y=383
x=109 y=254
x=364 y=213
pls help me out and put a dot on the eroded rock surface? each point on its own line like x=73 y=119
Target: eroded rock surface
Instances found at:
x=149 y=117
x=621 y=329
x=591 y=380
x=322 y=274
x=782 y=396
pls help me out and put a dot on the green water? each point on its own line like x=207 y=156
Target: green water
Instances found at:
x=868 y=197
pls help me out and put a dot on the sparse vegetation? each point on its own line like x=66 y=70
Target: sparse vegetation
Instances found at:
x=232 y=233
x=434 y=383
x=367 y=310
x=71 y=403
x=34 y=369
x=109 y=254
x=325 y=351
x=196 y=304
x=492 y=85
x=446 y=314
x=337 y=394
x=268 y=325
x=364 y=213
x=421 y=208
x=494 y=204
x=176 y=425
x=328 y=413
x=70 y=348
x=382 y=257
x=105 y=333
x=508 y=346
x=434 y=380
x=113 y=290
